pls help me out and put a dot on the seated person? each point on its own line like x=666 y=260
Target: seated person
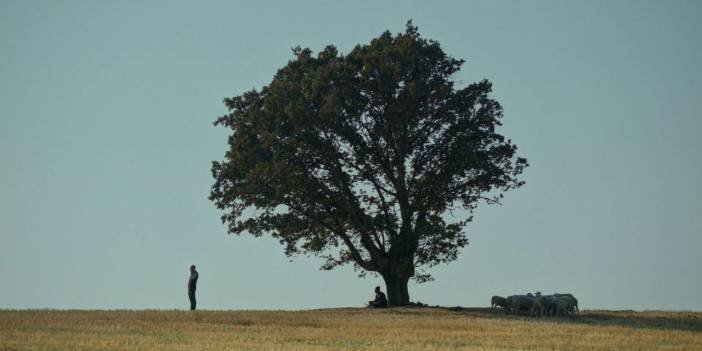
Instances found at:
x=380 y=300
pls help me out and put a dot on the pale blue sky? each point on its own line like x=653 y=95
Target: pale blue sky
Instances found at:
x=106 y=111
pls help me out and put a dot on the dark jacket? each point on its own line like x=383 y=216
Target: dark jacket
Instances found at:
x=380 y=300
x=192 y=283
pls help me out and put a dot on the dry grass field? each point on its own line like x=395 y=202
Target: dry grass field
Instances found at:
x=346 y=329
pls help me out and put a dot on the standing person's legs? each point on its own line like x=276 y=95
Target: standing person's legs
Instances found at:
x=191 y=295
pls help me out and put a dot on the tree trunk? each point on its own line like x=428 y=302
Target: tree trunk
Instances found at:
x=398 y=295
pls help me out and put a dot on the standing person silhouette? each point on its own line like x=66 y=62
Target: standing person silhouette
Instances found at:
x=192 y=285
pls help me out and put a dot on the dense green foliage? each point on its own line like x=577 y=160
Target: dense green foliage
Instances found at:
x=358 y=157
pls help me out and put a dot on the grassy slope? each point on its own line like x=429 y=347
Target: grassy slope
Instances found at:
x=346 y=329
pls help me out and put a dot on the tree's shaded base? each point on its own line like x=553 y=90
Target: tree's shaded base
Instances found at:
x=398 y=295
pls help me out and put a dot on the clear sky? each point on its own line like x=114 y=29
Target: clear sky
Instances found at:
x=106 y=136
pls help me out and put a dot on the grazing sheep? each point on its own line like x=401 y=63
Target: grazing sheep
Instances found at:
x=559 y=306
x=540 y=305
x=520 y=303
x=554 y=305
x=573 y=302
x=498 y=301
x=510 y=303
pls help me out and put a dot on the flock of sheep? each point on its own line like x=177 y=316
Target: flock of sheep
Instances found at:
x=537 y=305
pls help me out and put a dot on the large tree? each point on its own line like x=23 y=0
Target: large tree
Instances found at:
x=359 y=158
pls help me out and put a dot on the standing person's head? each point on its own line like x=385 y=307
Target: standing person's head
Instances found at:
x=377 y=289
x=192 y=268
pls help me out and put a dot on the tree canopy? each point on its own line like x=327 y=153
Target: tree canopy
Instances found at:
x=359 y=157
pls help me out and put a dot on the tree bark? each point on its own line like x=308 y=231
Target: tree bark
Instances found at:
x=396 y=284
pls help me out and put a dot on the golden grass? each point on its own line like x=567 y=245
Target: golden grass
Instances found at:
x=346 y=329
